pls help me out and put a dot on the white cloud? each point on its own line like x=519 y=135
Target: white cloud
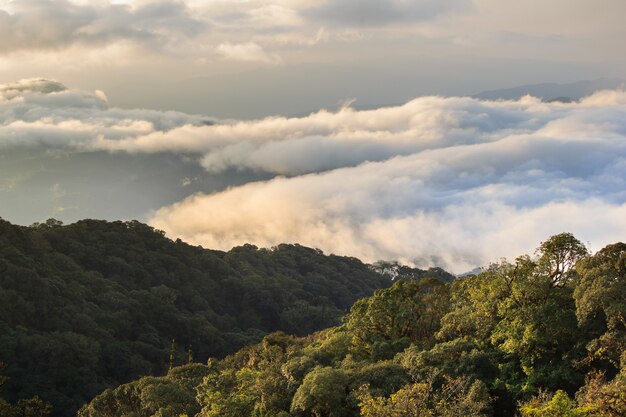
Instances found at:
x=248 y=51
x=36 y=85
x=456 y=181
x=54 y=24
x=379 y=211
x=37 y=112
x=327 y=140
x=494 y=179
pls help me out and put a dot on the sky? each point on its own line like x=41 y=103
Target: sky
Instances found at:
x=344 y=125
x=255 y=58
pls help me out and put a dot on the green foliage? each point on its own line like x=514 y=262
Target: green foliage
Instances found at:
x=95 y=304
x=386 y=323
x=33 y=407
x=256 y=381
x=600 y=305
x=559 y=255
x=602 y=398
x=537 y=324
x=322 y=394
x=508 y=341
x=540 y=336
x=457 y=397
x=523 y=316
x=558 y=405
x=167 y=396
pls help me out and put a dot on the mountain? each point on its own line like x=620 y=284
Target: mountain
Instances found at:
x=554 y=91
x=543 y=336
x=95 y=304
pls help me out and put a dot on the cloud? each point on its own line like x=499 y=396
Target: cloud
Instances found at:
x=449 y=181
x=377 y=12
x=495 y=180
x=41 y=112
x=57 y=191
x=328 y=140
x=249 y=51
x=36 y=85
x=55 y=24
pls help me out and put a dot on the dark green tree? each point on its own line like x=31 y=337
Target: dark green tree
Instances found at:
x=601 y=304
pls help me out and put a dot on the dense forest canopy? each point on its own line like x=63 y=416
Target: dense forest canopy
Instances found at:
x=89 y=306
x=542 y=336
x=95 y=304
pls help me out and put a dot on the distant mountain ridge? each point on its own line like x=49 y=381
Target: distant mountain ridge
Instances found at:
x=554 y=91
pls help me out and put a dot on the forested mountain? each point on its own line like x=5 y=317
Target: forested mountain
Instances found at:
x=95 y=304
x=543 y=336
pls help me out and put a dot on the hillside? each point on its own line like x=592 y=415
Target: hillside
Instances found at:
x=543 y=336
x=95 y=304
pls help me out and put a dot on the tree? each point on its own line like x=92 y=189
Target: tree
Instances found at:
x=387 y=322
x=167 y=396
x=601 y=304
x=457 y=397
x=604 y=398
x=537 y=324
x=521 y=316
x=33 y=407
x=5 y=407
x=67 y=294
x=322 y=394
x=254 y=382
x=557 y=405
x=558 y=256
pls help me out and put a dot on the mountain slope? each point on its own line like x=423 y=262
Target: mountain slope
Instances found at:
x=517 y=339
x=95 y=304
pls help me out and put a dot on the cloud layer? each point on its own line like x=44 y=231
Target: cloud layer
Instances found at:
x=230 y=29
x=253 y=58
x=36 y=112
x=376 y=12
x=53 y=24
x=458 y=182
x=455 y=182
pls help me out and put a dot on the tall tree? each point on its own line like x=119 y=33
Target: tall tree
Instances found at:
x=601 y=304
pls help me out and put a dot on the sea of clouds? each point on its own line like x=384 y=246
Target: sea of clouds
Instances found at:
x=450 y=181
